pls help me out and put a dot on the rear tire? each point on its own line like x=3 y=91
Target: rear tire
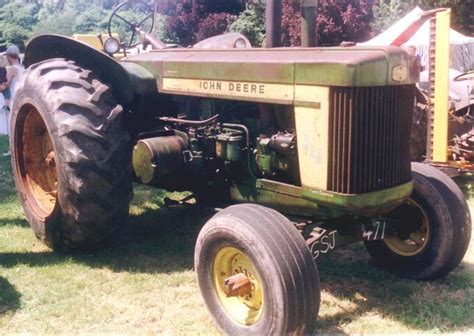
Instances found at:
x=261 y=242
x=70 y=155
x=435 y=243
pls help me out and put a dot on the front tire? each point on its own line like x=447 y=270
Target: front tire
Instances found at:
x=263 y=245
x=435 y=229
x=70 y=155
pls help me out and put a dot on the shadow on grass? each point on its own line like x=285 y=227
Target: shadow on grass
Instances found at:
x=157 y=241
x=9 y=297
x=15 y=221
x=441 y=305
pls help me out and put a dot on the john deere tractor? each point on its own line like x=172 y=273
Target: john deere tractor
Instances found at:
x=304 y=149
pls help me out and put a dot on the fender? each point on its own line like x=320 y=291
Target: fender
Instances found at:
x=127 y=80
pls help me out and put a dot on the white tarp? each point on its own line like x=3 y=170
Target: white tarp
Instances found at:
x=462 y=47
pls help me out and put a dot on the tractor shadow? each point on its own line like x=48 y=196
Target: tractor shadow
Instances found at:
x=156 y=240
x=359 y=289
x=9 y=297
x=21 y=222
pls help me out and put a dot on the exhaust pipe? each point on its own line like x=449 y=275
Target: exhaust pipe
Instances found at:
x=273 y=23
x=308 y=23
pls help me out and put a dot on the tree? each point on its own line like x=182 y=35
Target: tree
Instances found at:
x=61 y=23
x=387 y=12
x=17 y=19
x=251 y=22
x=463 y=17
x=93 y=20
x=337 y=21
x=189 y=21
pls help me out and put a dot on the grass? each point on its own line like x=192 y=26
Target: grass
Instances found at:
x=146 y=284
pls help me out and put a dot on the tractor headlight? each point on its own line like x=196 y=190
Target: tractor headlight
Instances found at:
x=111 y=45
x=399 y=73
x=240 y=43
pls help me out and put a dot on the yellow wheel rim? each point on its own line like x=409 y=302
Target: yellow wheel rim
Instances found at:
x=245 y=309
x=417 y=239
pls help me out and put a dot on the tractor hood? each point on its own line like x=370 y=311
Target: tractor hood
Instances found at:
x=353 y=66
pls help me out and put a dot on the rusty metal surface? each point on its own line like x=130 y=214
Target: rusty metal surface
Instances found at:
x=369 y=138
x=36 y=163
x=238 y=284
x=156 y=157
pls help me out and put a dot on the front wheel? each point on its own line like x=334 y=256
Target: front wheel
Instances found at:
x=434 y=229
x=256 y=273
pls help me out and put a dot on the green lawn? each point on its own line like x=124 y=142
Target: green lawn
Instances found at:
x=146 y=282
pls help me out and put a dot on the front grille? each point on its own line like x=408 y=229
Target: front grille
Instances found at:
x=369 y=133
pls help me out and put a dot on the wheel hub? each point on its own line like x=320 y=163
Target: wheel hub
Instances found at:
x=414 y=241
x=238 y=285
x=36 y=162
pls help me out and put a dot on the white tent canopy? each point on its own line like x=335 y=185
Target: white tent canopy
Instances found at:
x=462 y=47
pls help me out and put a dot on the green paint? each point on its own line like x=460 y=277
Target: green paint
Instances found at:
x=354 y=66
x=317 y=203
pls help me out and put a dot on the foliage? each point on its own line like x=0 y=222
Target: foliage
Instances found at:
x=16 y=19
x=251 y=22
x=189 y=21
x=91 y=20
x=387 y=12
x=214 y=24
x=337 y=21
x=463 y=17
x=61 y=23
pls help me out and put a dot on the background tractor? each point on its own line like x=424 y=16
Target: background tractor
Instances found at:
x=308 y=146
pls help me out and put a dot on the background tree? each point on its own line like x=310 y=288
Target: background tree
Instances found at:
x=387 y=12
x=251 y=22
x=188 y=21
x=17 y=19
x=337 y=21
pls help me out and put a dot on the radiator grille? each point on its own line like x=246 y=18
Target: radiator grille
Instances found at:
x=369 y=132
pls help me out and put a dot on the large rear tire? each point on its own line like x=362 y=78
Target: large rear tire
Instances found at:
x=435 y=229
x=70 y=155
x=262 y=247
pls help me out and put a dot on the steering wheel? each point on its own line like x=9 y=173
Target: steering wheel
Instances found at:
x=464 y=76
x=134 y=26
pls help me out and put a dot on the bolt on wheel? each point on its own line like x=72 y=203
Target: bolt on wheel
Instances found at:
x=256 y=274
x=433 y=229
x=415 y=241
x=36 y=162
x=238 y=285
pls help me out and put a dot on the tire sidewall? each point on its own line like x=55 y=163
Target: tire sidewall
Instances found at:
x=91 y=153
x=44 y=228
x=440 y=237
x=438 y=256
x=221 y=232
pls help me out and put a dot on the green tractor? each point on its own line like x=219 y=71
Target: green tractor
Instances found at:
x=304 y=149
